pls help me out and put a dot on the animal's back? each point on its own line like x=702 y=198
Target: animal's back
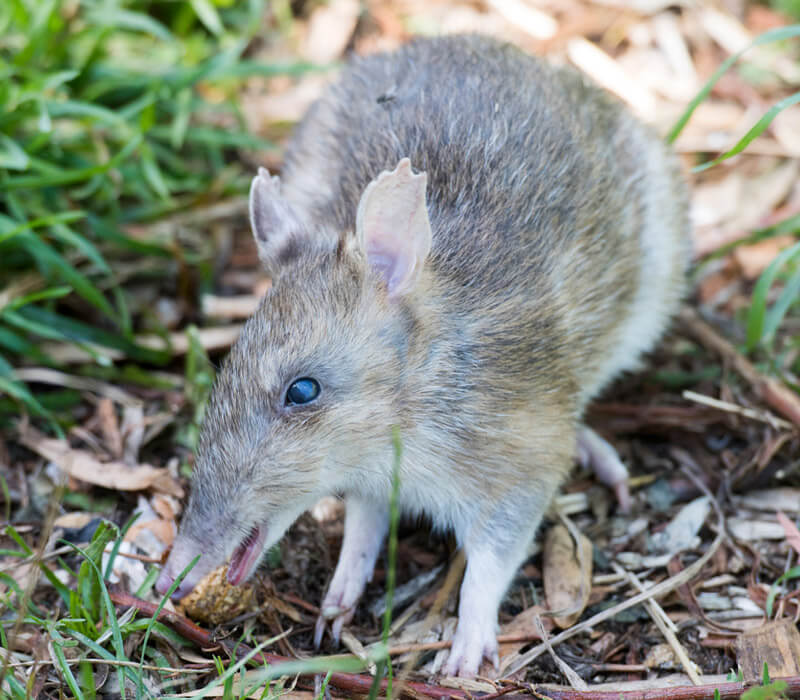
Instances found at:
x=543 y=212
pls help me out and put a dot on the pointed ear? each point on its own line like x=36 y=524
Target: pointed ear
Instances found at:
x=392 y=226
x=278 y=231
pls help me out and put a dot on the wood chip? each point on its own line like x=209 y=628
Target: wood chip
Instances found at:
x=776 y=644
x=526 y=18
x=597 y=64
x=242 y=306
x=329 y=30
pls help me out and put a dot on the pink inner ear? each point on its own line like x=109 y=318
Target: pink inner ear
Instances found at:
x=393 y=228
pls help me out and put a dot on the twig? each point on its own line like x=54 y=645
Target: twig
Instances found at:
x=300 y=603
x=166 y=226
x=569 y=673
x=770 y=390
x=763 y=416
x=401 y=649
x=667 y=628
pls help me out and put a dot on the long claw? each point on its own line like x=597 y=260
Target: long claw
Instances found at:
x=336 y=628
x=319 y=630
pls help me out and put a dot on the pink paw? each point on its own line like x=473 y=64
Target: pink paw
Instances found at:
x=472 y=643
x=600 y=455
x=338 y=606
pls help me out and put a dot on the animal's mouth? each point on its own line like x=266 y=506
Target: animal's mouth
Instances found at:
x=246 y=556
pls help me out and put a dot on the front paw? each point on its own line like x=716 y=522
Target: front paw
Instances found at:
x=473 y=642
x=337 y=608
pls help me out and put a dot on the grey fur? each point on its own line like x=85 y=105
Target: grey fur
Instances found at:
x=559 y=251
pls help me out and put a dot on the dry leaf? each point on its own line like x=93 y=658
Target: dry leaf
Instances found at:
x=82 y=465
x=750 y=530
x=284 y=608
x=566 y=584
x=783 y=498
x=278 y=107
x=661 y=656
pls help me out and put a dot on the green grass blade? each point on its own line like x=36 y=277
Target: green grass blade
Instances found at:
x=759 y=128
x=20 y=392
x=66 y=672
x=116 y=18
x=758 y=308
x=80 y=109
x=163 y=602
x=66 y=217
x=52 y=263
x=779 y=34
x=12 y=155
x=208 y=15
x=100 y=651
x=788 y=296
x=52 y=293
x=52 y=325
x=70 y=177
x=111 y=615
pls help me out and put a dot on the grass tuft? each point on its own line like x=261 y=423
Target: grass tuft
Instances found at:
x=111 y=114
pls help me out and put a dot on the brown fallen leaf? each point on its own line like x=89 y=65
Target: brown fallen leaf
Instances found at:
x=84 y=466
x=566 y=584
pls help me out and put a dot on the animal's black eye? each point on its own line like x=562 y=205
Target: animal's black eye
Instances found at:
x=302 y=391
